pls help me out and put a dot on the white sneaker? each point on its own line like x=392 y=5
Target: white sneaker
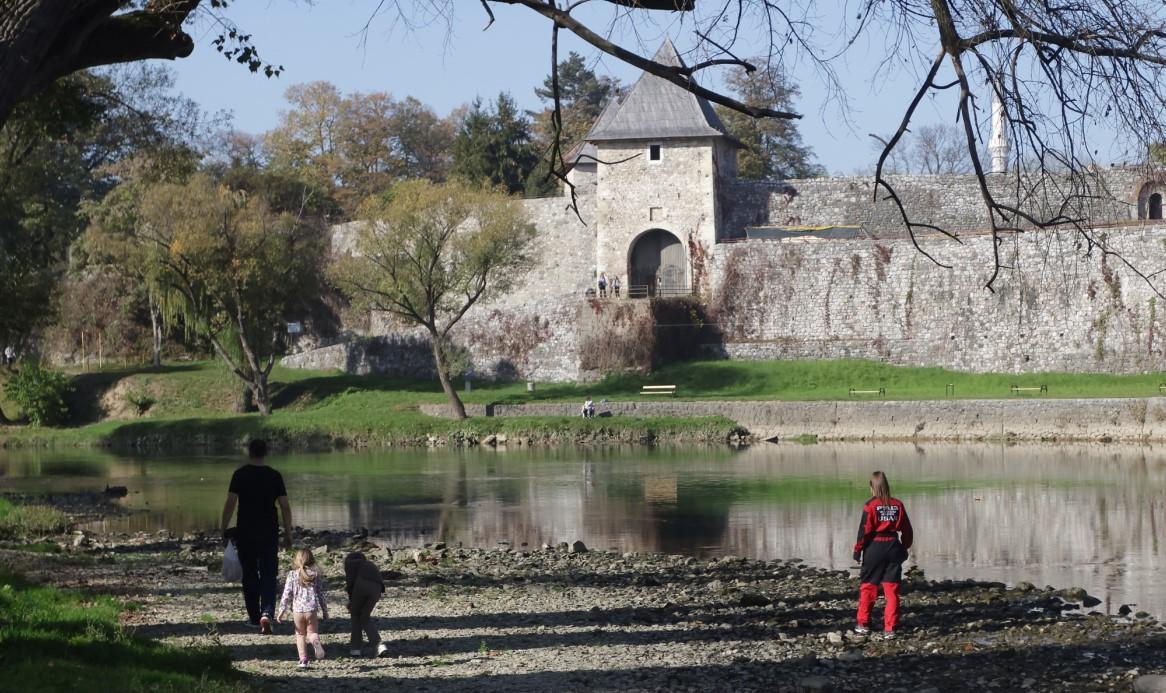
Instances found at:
x=861 y=630
x=354 y=652
x=382 y=649
x=303 y=664
x=889 y=635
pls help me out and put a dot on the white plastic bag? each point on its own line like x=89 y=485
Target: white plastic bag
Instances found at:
x=232 y=568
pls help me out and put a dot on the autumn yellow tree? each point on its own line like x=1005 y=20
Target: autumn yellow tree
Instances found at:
x=235 y=270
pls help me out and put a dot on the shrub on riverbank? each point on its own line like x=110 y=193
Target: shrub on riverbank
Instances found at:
x=22 y=521
x=54 y=640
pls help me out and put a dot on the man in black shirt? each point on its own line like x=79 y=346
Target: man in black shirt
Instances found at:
x=256 y=488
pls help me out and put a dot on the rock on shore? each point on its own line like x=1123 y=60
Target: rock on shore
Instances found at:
x=556 y=619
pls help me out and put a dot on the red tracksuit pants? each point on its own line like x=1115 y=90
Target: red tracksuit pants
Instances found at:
x=881 y=565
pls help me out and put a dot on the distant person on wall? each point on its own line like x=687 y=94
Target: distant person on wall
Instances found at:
x=256 y=489
x=588 y=409
x=9 y=356
x=884 y=535
x=615 y=286
x=602 y=285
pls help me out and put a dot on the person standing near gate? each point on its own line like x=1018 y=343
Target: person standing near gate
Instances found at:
x=884 y=520
x=256 y=489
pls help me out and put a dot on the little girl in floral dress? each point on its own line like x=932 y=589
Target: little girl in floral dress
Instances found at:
x=304 y=595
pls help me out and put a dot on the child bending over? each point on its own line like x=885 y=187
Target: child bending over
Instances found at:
x=365 y=586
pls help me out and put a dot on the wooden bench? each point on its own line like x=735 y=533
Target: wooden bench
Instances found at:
x=1161 y=387
x=1016 y=389
x=881 y=392
x=658 y=390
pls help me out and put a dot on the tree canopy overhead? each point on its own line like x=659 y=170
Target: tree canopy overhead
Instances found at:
x=1062 y=71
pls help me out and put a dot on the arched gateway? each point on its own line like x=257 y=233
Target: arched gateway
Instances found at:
x=657 y=265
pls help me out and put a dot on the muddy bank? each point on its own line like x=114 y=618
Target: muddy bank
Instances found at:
x=1024 y=418
x=537 y=618
x=212 y=436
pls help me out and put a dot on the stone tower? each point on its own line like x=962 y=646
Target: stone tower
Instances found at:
x=662 y=153
x=998 y=139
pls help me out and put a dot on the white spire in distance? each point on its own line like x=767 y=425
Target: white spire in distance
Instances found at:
x=998 y=140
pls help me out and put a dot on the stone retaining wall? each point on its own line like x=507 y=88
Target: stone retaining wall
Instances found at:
x=1003 y=419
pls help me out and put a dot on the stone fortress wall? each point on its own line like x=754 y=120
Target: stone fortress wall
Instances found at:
x=1059 y=309
x=659 y=197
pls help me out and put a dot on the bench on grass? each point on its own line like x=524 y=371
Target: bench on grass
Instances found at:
x=658 y=390
x=1161 y=387
x=881 y=392
x=1016 y=389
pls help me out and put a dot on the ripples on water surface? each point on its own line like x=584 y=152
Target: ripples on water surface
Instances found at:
x=1076 y=515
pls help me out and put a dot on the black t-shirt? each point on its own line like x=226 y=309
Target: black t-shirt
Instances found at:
x=258 y=486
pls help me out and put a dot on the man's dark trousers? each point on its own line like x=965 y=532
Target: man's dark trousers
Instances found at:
x=258 y=556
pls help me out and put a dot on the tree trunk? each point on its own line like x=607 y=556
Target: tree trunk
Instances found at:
x=456 y=408
x=156 y=329
x=245 y=400
x=262 y=394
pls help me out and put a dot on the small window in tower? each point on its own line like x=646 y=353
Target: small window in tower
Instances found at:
x=653 y=152
x=1156 y=206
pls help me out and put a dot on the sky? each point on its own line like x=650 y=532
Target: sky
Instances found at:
x=447 y=65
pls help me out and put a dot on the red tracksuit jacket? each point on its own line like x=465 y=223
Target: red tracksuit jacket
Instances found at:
x=883 y=522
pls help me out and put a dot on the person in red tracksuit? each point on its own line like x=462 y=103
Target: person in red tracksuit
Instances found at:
x=884 y=535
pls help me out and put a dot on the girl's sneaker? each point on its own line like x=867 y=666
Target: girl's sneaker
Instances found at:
x=303 y=663
x=382 y=649
x=889 y=635
x=861 y=630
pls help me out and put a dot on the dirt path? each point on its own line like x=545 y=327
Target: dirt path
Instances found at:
x=552 y=620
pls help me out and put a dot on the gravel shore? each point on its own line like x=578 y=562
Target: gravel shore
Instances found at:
x=566 y=619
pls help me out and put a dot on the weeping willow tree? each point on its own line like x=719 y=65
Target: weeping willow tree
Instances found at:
x=233 y=271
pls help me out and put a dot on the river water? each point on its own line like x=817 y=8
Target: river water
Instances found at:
x=1059 y=515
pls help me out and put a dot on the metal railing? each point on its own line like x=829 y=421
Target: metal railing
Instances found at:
x=649 y=291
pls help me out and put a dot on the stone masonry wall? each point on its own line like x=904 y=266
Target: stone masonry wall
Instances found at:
x=1028 y=418
x=1059 y=310
x=531 y=332
x=951 y=202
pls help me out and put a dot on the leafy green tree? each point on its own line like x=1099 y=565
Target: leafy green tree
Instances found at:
x=359 y=144
x=773 y=148
x=582 y=96
x=45 y=152
x=421 y=141
x=236 y=270
x=429 y=252
x=493 y=146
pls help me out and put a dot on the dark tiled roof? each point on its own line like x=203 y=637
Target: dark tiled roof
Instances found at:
x=657 y=109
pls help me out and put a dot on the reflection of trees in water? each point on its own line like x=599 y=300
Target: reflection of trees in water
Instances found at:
x=1056 y=514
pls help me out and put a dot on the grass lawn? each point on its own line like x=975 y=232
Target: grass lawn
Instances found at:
x=57 y=640
x=320 y=409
